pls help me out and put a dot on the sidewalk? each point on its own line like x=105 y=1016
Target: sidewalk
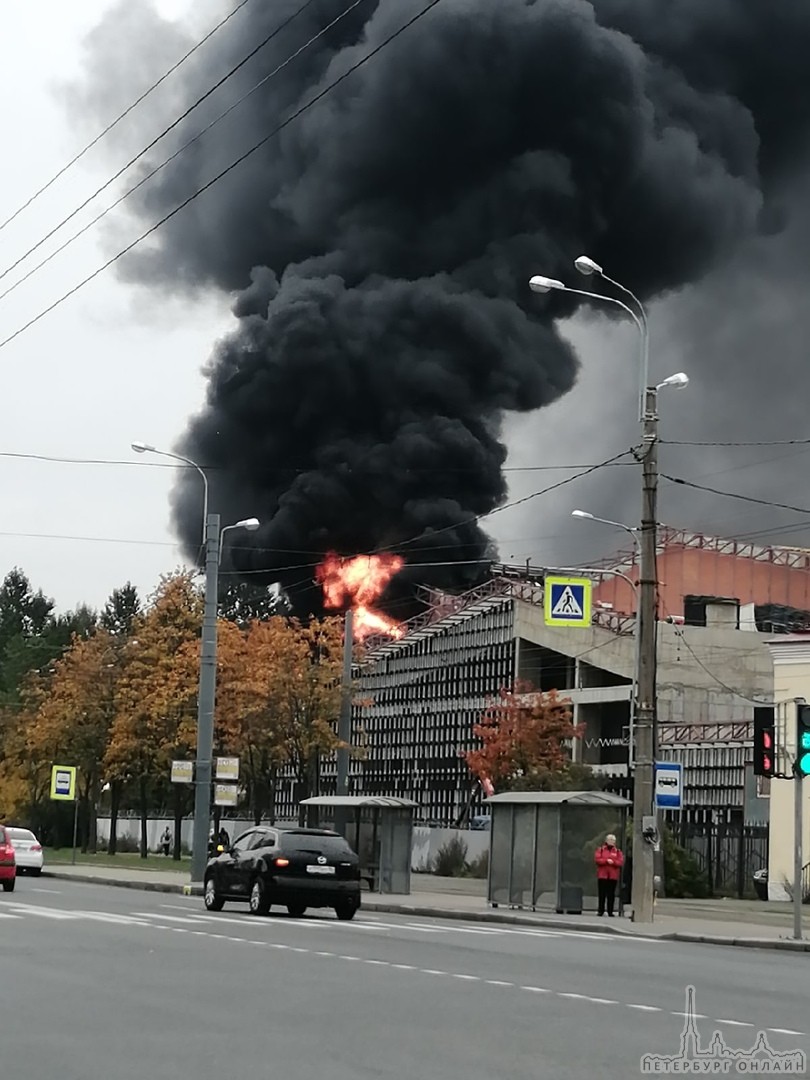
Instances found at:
x=744 y=923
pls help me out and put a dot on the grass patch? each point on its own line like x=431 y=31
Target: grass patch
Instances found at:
x=130 y=860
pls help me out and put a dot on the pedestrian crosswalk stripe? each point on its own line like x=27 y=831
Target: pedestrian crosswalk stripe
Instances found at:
x=567 y=605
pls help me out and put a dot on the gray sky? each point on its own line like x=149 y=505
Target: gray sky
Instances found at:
x=103 y=370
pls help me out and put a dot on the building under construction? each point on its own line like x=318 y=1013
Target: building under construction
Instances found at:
x=420 y=696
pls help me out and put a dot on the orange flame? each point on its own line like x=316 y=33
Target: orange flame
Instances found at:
x=357 y=583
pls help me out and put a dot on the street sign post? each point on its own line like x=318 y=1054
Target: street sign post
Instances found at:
x=64 y=789
x=182 y=772
x=567 y=601
x=225 y=794
x=227 y=768
x=668 y=785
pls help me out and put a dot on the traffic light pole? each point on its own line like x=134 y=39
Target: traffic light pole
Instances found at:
x=798 y=829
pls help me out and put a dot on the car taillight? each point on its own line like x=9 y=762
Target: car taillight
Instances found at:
x=36 y=847
x=282 y=862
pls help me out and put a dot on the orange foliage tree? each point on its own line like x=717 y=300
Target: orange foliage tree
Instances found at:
x=278 y=698
x=524 y=735
x=156 y=693
x=72 y=722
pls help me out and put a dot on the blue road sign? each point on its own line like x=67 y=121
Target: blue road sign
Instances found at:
x=669 y=785
x=568 y=601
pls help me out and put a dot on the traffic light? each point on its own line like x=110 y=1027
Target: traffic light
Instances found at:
x=765 y=743
x=803 y=739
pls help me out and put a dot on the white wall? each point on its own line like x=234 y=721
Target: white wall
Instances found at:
x=426 y=842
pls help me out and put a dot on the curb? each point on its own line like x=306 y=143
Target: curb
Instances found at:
x=780 y=944
x=456 y=915
x=120 y=883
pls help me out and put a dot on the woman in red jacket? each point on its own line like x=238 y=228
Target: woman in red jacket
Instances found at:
x=609 y=862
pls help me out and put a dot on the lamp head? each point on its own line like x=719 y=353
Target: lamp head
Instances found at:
x=251 y=524
x=542 y=284
x=680 y=380
x=581 y=514
x=587 y=266
x=142 y=447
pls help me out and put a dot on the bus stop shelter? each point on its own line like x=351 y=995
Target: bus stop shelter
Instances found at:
x=542 y=846
x=380 y=830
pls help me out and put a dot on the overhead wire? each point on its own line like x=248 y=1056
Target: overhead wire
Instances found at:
x=310 y=103
x=132 y=161
x=734 y=495
x=122 y=116
x=180 y=150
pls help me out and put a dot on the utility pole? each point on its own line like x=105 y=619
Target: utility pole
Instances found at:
x=643 y=849
x=345 y=721
x=205 y=704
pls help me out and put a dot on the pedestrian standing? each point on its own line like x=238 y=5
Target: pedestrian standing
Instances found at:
x=609 y=862
x=166 y=841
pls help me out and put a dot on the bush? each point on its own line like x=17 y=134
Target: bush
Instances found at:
x=683 y=878
x=451 y=858
x=479 y=868
x=126 y=845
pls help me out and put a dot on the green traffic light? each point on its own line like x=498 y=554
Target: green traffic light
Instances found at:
x=804 y=764
x=804 y=740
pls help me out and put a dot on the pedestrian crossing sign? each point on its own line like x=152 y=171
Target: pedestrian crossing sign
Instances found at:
x=568 y=601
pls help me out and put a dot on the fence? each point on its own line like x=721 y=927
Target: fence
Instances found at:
x=727 y=852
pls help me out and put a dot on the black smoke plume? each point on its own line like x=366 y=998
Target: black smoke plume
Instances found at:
x=380 y=247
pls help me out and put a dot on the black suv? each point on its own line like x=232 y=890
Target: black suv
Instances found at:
x=295 y=868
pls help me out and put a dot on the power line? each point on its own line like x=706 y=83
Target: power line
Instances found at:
x=121 y=116
x=153 y=143
x=769 y=442
x=52 y=458
x=224 y=172
x=507 y=506
x=734 y=495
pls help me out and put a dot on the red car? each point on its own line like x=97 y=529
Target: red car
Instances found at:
x=8 y=862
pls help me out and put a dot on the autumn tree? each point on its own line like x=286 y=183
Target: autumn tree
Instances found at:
x=156 y=695
x=525 y=736
x=278 y=698
x=75 y=714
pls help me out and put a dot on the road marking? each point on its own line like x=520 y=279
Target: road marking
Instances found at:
x=695 y=1016
x=8 y=915
x=569 y=995
x=53 y=892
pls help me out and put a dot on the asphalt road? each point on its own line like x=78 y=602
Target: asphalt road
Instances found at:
x=116 y=984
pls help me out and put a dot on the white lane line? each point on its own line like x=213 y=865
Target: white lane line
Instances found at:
x=469 y=978
x=166 y=918
x=695 y=1016
x=53 y=892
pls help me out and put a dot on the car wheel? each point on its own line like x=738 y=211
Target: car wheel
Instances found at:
x=259 y=900
x=346 y=910
x=213 y=901
x=296 y=911
x=8 y=886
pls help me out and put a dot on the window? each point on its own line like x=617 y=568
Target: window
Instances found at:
x=335 y=846
x=263 y=839
x=245 y=841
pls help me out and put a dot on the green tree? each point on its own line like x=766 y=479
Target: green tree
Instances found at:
x=121 y=610
x=243 y=602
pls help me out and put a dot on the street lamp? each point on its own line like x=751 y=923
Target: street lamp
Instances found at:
x=206 y=694
x=147 y=448
x=645 y=704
